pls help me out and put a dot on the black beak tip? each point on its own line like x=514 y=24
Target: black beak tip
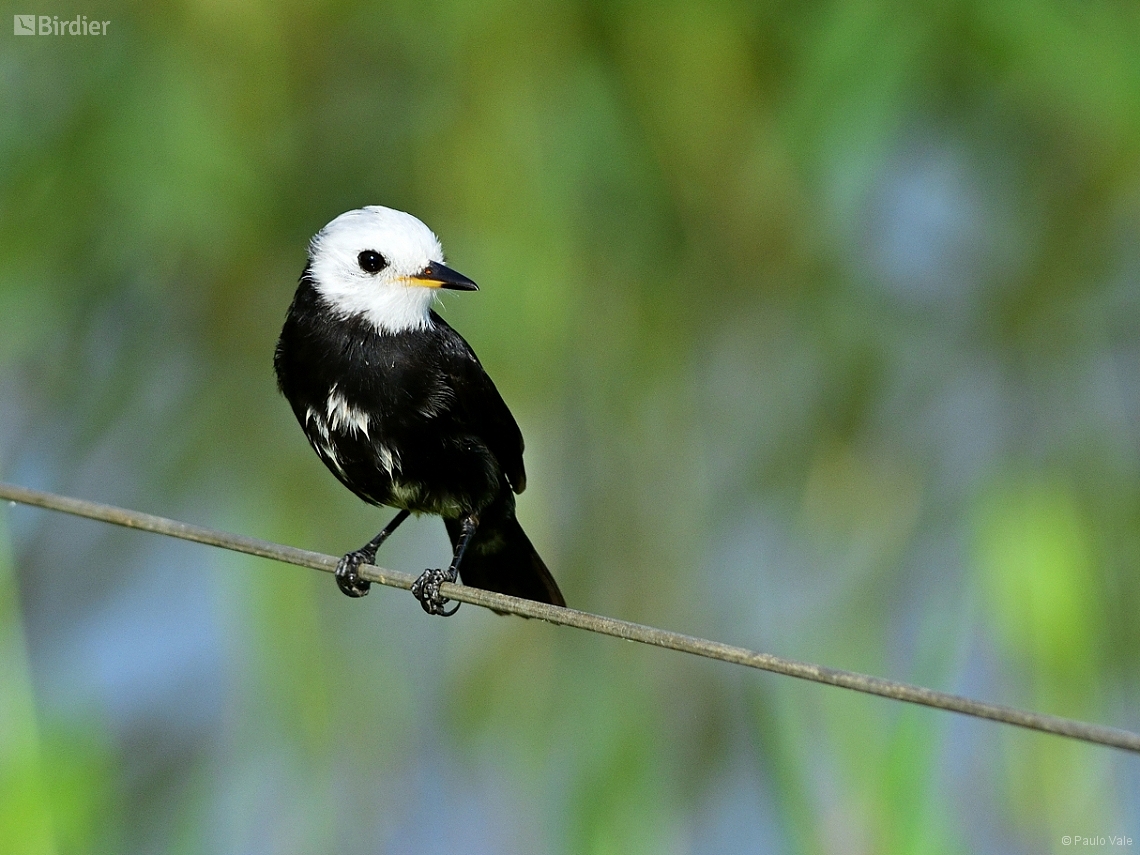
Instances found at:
x=448 y=278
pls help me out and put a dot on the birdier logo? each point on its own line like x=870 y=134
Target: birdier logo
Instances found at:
x=51 y=25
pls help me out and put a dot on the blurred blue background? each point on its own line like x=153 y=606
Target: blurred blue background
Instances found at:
x=821 y=323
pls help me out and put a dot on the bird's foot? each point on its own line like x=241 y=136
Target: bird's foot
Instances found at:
x=426 y=590
x=347 y=579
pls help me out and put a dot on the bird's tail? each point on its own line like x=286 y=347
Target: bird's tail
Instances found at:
x=500 y=558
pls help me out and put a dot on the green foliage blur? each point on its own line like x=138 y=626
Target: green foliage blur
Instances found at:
x=821 y=321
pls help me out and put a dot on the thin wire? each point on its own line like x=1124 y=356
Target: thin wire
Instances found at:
x=1084 y=731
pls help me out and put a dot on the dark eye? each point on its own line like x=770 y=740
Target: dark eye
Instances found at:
x=371 y=261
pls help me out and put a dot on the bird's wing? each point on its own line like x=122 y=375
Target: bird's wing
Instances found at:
x=480 y=405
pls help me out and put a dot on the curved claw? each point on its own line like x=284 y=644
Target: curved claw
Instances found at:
x=347 y=579
x=426 y=590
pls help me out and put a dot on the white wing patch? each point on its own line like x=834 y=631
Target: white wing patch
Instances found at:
x=343 y=416
x=389 y=459
x=315 y=419
x=321 y=442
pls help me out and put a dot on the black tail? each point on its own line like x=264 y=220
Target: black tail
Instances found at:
x=500 y=558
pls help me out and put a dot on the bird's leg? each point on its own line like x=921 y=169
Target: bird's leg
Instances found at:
x=346 y=577
x=426 y=588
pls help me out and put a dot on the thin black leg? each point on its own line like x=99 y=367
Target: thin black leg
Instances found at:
x=426 y=588
x=347 y=578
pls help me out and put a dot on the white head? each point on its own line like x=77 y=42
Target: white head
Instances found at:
x=381 y=264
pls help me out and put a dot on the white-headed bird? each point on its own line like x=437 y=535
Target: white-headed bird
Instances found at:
x=398 y=407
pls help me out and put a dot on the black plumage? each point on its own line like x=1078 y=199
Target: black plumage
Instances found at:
x=410 y=419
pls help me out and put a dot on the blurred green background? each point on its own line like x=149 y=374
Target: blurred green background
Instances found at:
x=821 y=320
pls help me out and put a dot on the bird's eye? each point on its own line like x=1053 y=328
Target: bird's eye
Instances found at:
x=371 y=261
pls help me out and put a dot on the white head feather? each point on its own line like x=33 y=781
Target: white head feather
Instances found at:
x=390 y=299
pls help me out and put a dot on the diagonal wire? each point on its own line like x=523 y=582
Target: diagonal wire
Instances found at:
x=1087 y=732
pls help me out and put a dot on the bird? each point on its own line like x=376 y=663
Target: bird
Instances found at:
x=399 y=408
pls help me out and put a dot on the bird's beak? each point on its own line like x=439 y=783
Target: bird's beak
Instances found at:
x=436 y=275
